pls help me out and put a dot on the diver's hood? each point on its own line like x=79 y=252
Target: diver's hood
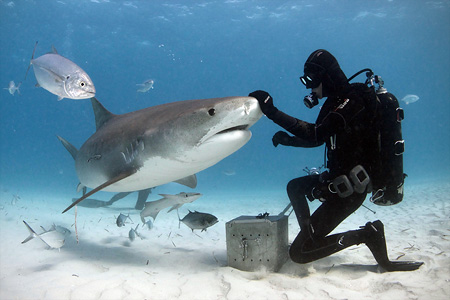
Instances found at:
x=322 y=66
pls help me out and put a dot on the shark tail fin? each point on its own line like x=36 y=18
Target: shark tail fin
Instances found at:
x=71 y=148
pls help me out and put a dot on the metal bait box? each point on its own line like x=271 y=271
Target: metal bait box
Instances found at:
x=255 y=242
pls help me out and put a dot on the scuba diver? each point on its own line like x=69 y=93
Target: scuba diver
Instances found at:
x=345 y=124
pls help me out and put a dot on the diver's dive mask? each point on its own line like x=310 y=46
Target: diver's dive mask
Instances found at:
x=313 y=75
x=311 y=81
x=311 y=100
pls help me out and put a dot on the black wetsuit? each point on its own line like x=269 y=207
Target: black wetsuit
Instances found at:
x=345 y=125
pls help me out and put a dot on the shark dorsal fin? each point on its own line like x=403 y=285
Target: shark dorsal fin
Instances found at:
x=102 y=115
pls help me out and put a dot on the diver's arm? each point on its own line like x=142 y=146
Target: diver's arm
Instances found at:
x=304 y=132
x=282 y=138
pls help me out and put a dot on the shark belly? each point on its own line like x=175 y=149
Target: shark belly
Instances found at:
x=158 y=170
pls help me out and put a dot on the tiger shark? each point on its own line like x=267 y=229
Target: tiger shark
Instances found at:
x=161 y=144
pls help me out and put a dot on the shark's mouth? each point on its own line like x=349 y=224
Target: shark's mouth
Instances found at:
x=235 y=128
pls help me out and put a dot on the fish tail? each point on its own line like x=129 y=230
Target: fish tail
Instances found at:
x=32 y=57
x=32 y=235
x=18 y=88
x=179 y=220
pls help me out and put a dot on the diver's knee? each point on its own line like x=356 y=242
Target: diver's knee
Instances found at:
x=294 y=186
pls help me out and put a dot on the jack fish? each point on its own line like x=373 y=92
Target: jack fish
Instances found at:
x=198 y=220
x=61 y=77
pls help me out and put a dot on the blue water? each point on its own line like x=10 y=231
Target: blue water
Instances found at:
x=206 y=49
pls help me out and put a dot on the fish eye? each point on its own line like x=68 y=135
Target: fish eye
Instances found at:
x=68 y=76
x=212 y=112
x=82 y=84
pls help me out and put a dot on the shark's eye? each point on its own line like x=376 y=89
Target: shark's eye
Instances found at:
x=212 y=112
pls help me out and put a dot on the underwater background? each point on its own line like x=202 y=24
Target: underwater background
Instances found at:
x=208 y=49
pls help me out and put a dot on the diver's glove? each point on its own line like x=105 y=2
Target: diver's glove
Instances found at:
x=265 y=103
x=282 y=138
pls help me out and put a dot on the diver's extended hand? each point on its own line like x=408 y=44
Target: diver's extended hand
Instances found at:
x=265 y=102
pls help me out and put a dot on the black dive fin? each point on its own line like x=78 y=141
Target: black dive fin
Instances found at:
x=102 y=186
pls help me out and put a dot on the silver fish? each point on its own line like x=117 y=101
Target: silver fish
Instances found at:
x=121 y=220
x=133 y=233
x=12 y=88
x=149 y=224
x=145 y=86
x=61 y=77
x=152 y=208
x=198 y=220
x=53 y=238
x=410 y=99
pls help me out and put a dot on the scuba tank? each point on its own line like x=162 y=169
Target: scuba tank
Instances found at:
x=387 y=177
x=388 y=180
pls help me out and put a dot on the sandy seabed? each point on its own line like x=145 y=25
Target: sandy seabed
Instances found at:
x=171 y=262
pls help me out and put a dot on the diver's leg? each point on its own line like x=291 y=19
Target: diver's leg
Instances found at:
x=315 y=244
x=309 y=247
x=297 y=189
x=142 y=197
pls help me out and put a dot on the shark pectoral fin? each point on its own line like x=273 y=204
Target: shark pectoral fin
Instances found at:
x=69 y=147
x=190 y=181
x=119 y=177
x=176 y=206
x=80 y=188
